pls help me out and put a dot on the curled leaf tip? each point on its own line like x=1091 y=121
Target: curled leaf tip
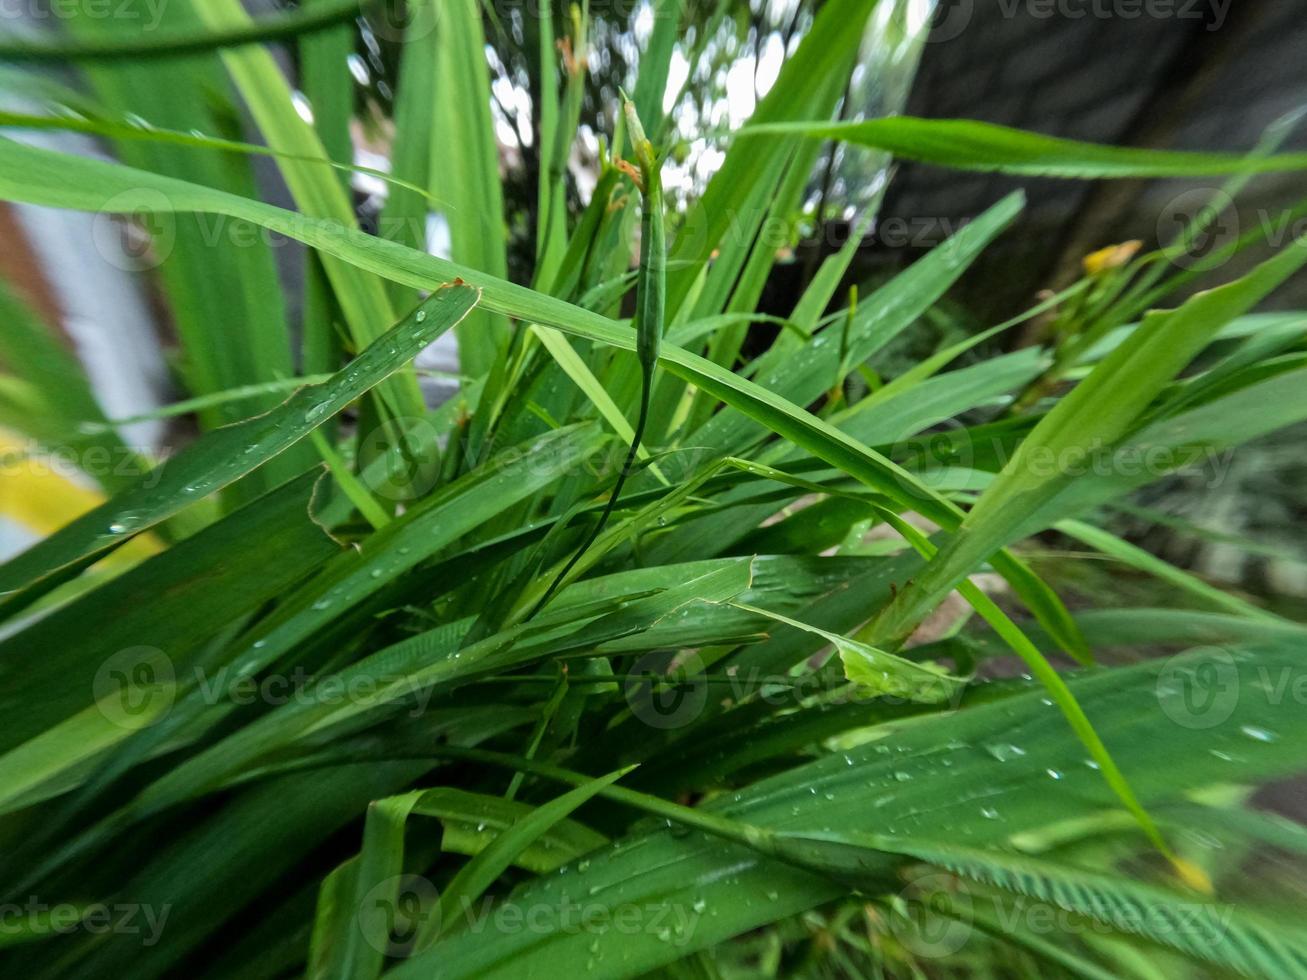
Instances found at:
x=644 y=151
x=633 y=121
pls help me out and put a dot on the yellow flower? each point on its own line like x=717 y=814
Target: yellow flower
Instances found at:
x=1112 y=257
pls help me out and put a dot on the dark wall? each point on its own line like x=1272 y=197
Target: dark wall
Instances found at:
x=1207 y=76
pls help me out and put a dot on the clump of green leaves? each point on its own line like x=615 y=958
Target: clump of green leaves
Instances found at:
x=629 y=625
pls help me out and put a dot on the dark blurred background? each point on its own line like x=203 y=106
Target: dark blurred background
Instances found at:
x=1213 y=76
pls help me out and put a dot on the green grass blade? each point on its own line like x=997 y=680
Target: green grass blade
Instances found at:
x=351 y=486
x=655 y=65
x=877 y=672
x=173 y=43
x=736 y=199
x=474 y=820
x=650 y=302
x=1043 y=672
x=1098 y=412
x=362 y=298
x=1112 y=546
x=326 y=80
x=66 y=413
x=230 y=453
x=966 y=144
x=480 y=873
x=929 y=776
x=1202 y=930
x=202 y=264
x=580 y=373
x=464 y=168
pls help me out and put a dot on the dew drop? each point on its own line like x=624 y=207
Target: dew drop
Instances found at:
x=303 y=107
x=1258 y=734
x=1204 y=839
x=1004 y=751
